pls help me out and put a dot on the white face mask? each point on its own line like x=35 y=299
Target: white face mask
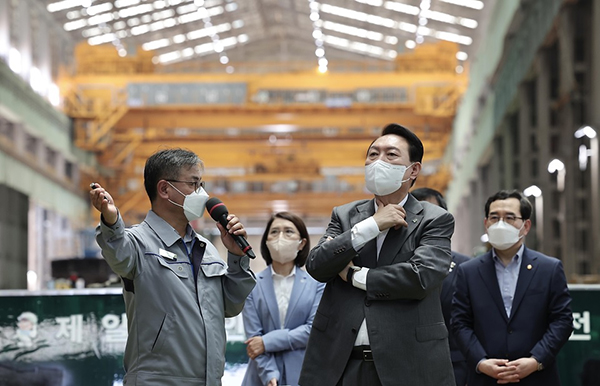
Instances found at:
x=383 y=178
x=283 y=250
x=193 y=203
x=503 y=236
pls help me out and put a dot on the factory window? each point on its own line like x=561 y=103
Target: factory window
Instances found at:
x=31 y=145
x=584 y=268
x=584 y=240
x=579 y=48
x=533 y=143
x=50 y=157
x=69 y=170
x=532 y=102
x=556 y=229
x=513 y=128
x=534 y=167
x=7 y=130
x=553 y=117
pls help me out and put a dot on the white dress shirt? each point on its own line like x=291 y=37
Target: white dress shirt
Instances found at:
x=362 y=233
x=283 y=290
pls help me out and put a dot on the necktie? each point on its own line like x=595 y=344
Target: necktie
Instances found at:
x=368 y=255
x=390 y=242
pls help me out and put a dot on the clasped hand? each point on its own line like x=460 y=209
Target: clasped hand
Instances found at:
x=506 y=371
x=254 y=346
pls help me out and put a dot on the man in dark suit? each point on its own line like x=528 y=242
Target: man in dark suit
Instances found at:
x=380 y=321
x=511 y=310
x=459 y=363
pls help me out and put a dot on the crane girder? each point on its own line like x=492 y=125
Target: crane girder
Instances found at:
x=305 y=131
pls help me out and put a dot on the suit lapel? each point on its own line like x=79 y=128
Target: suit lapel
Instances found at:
x=487 y=270
x=266 y=285
x=367 y=256
x=395 y=239
x=526 y=273
x=296 y=295
x=363 y=211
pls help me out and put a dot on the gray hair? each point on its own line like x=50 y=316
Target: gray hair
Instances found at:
x=166 y=165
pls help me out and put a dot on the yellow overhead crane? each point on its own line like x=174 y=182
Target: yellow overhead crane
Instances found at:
x=269 y=141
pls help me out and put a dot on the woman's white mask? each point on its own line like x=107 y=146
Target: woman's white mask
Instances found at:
x=283 y=250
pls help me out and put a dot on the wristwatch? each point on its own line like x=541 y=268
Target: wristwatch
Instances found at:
x=350 y=273
x=540 y=366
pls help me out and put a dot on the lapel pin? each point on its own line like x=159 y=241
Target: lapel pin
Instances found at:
x=452 y=265
x=529 y=266
x=414 y=220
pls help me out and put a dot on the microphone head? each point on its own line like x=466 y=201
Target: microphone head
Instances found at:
x=216 y=209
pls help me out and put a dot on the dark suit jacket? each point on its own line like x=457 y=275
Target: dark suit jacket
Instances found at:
x=540 y=323
x=448 y=287
x=401 y=305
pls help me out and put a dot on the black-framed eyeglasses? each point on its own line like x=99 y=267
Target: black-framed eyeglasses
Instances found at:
x=196 y=185
x=509 y=218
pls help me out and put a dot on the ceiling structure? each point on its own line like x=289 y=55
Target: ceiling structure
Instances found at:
x=318 y=81
x=234 y=32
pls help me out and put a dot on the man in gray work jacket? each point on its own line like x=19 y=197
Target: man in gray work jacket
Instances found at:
x=177 y=289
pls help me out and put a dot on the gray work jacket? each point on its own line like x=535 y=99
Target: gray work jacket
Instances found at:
x=176 y=328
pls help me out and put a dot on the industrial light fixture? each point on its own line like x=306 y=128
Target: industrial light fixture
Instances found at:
x=317 y=34
x=533 y=190
x=556 y=165
x=585 y=131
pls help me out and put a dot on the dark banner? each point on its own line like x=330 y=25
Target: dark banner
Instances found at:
x=62 y=338
x=73 y=338
x=579 y=360
x=77 y=338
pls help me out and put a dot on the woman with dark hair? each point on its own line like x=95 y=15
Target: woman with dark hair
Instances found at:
x=279 y=312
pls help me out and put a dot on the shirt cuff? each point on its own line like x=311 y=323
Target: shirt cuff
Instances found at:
x=363 y=232
x=359 y=278
x=110 y=230
x=237 y=263
x=477 y=366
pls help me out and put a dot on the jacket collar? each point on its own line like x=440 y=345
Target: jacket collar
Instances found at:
x=163 y=229
x=265 y=283
x=487 y=271
x=527 y=271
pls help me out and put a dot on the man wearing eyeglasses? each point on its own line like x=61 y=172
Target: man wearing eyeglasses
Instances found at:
x=511 y=310
x=177 y=289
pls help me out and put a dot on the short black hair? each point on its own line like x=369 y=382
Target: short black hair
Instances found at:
x=415 y=146
x=297 y=221
x=166 y=165
x=423 y=194
x=525 y=209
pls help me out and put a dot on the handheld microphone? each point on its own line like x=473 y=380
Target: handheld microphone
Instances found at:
x=218 y=211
